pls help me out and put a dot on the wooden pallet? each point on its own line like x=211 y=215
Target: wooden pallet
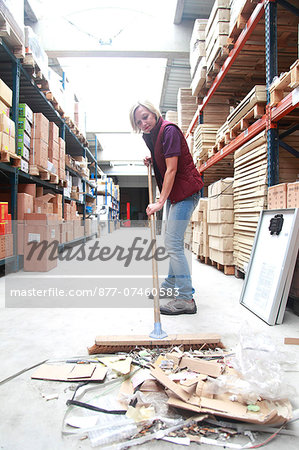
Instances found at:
x=204 y=259
x=227 y=270
x=9 y=157
x=40 y=172
x=286 y=83
x=54 y=178
x=62 y=183
x=252 y=115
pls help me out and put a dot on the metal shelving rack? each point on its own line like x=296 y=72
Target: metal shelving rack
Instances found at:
x=273 y=114
x=25 y=91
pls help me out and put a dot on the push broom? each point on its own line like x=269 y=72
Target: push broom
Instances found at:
x=157 y=332
x=158 y=337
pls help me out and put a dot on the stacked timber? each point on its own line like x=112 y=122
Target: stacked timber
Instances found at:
x=197 y=240
x=250 y=195
x=217 y=110
x=288 y=163
x=197 y=44
x=240 y=11
x=171 y=116
x=251 y=108
x=199 y=77
x=203 y=230
x=204 y=140
x=220 y=220
x=216 y=33
x=187 y=106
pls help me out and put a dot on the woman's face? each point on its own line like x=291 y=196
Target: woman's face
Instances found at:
x=144 y=119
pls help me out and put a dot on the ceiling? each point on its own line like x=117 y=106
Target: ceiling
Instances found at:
x=177 y=74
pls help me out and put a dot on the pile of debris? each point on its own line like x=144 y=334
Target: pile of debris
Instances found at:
x=207 y=395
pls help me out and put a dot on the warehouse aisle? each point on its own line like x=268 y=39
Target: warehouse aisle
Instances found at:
x=31 y=335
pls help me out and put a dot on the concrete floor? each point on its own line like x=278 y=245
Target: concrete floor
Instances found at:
x=30 y=335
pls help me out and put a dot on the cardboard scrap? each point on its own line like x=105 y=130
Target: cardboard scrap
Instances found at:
x=210 y=368
x=70 y=372
x=166 y=382
x=120 y=364
x=291 y=341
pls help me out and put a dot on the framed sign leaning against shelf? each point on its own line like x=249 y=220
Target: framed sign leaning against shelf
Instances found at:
x=271 y=266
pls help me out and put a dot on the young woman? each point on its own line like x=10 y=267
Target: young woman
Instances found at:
x=179 y=183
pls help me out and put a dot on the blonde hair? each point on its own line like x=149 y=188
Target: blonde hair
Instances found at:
x=146 y=104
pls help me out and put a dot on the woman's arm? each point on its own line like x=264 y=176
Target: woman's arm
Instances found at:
x=171 y=169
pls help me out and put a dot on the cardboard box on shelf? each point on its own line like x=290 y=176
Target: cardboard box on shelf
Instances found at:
x=40 y=127
x=21 y=237
x=53 y=132
x=53 y=151
x=41 y=246
x=293 y=195
x=4 y=109
x=63 y=232
x=25 y=205
x=4 y=142
x=69 y=231
x=24 y=152
x=25 y=111
x=277 y=196
x=7 y=125
x=39 y=153
x=3 y=211
x=6 y=246
x=24 y=166
x=5 y=94
x=24 y=125
x=42 y=205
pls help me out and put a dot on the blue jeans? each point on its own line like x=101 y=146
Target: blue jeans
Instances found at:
x=177 y=218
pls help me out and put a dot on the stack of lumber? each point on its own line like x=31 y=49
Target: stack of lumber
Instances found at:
x=217 y=110
x=171 y=116
x=199 y=77
x=187 y=107
x=203 y=229
x=251 y=107
x=220 y=221
x=197 y=44
x=250 y=195
x=288 y=163
x=216 y=32
x=240 y=11
x=204 y=140
x=197 y=239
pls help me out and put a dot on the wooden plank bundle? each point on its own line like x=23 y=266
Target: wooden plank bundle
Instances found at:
x=217 y=110
x=250 y=195
x=204 y=140
x=257 y=96
x=220 y=220
x=199 y=77
x=187 y=106
x=216 y=31
x=196 y=219
x=240 y=11
x=197 y=44
x=172 y=116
